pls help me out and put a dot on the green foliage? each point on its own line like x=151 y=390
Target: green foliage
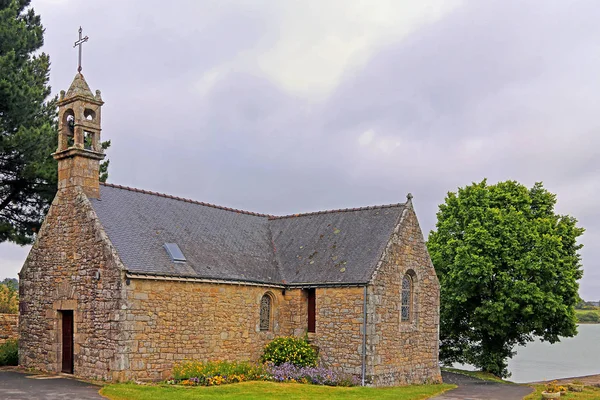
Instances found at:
x=9 y=353
x=508 y=268
x=292 y=350
x=27 y=124
x=9 y=297
x=209 y=369
x=28 y=129
x=104 y=164
x=590 y=317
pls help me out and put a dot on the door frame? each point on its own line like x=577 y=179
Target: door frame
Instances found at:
x=68 y=369
x=57 y=310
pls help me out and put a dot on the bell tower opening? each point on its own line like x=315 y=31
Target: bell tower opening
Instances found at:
x=79 y=152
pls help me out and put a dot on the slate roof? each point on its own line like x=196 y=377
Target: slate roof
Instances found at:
x=327 y=247
x=333 y=247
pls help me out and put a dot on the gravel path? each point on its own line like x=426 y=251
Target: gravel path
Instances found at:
x=21 y=386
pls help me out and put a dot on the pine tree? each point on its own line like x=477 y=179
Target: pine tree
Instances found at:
x=28 y=136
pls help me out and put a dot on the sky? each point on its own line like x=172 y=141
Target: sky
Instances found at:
x=292 y=106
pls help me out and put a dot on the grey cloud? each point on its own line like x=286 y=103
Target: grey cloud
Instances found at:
x=518 y=76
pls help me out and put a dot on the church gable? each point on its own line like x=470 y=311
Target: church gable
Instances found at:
x=403 y=309
x=72 y=270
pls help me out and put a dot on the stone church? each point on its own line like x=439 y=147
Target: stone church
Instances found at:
x=122 y=283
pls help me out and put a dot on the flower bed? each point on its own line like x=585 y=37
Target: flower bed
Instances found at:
x=194 y=373
x=288 y=372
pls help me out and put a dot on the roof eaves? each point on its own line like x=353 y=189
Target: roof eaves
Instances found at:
x=182 y=277
x=187 y=278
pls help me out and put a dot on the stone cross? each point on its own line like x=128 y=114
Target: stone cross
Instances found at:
x=79 y=43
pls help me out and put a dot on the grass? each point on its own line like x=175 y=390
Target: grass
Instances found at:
x=589 y=393
x=269 y=390
x=484 y=376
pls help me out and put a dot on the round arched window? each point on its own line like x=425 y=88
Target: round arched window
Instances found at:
x=265 y=312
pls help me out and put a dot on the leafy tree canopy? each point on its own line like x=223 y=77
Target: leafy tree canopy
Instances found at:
x=28 y=136
x=9 y=296
x=508 y=268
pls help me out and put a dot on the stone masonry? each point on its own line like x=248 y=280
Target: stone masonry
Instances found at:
x=72 y=266
x=403 y=352
x=168 y=322
x=9 y=327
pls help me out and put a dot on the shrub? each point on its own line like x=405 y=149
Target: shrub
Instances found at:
x=9 y=353
x=315 y=375
x=212 y=373
x=9 y=298
x=289 y=349
x=554 y=387
x=590 y=316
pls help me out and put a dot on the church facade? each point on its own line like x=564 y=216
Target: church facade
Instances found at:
x=123 y=283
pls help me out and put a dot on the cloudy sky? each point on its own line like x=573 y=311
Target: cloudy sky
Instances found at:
x=290 y=106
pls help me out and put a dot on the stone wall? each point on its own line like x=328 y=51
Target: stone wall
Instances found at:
x=339 y=328
x=72 y=266
x=404 y=352
x=171 y=321
x=9 y=324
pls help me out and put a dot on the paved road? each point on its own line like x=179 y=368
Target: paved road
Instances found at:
x=475 y=389
x=20 y=386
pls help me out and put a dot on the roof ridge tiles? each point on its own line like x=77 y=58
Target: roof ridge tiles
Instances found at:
x=269 y=216
x=184 y=199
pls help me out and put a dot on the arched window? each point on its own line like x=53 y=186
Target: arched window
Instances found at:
x=265 y=312
x=407 y=294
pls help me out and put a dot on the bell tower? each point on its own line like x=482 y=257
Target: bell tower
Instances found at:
x=79 y=152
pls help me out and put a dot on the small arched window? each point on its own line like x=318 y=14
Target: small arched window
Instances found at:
x=265 y=312
x=407 y=294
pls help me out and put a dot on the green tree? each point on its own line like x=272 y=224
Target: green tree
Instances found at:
x=28 y=173
x=9 y=296
x=508 y=268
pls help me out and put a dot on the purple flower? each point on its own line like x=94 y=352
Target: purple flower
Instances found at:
x=314 y=375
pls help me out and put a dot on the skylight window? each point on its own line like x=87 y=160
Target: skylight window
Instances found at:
x=174 y=252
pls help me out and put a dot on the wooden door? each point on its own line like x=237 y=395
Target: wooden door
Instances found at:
x=67 y=341
x=312 y=308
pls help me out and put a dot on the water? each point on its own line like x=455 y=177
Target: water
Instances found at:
x=577 y=356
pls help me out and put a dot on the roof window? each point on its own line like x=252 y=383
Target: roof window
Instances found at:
x=174 y=252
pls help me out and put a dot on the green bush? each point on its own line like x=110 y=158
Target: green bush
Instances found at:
x=290 y=349
x=590 y=316
x=217 y=372
x=9 y=353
